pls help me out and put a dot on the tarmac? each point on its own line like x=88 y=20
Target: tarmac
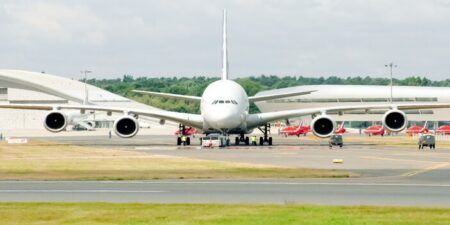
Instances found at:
x=305 y=191
x=389 y=175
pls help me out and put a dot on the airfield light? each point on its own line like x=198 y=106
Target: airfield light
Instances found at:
x=391 y=66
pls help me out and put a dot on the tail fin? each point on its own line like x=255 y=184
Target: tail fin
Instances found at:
x=224 y=47
x=299 y=126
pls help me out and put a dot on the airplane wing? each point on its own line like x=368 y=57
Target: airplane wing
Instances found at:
x=258 y=119
x=259 y=98
x=168 y=95
x=189 y=119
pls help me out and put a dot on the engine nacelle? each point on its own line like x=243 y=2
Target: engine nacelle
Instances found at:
x=126 y=126
x=323 y=126
x=395 y=120
x=56 y=121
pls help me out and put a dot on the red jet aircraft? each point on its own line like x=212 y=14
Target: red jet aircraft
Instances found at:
x=341 y=129
x=188 y=131
x=418 y=129
x=375 y=130
x=295 y=130
x=444 y=129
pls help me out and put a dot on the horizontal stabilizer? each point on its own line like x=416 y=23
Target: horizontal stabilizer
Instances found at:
x=259 y=98
x=168 y=95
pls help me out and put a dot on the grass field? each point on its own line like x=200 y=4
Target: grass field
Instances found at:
x=40 y=160
x=187 y=214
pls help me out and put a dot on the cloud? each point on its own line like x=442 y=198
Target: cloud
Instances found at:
x=63 y=23
x=309 y=37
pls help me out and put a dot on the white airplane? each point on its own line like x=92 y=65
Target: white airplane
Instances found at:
x=224 y=108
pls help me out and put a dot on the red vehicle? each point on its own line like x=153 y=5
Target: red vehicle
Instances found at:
x=188 y=131
x=418 y=129
x=341 y=129
x=444 y=129
x=295 y=130
x=375 y=130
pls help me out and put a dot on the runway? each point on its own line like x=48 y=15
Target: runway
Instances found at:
x=389 y=176
x=307 y=191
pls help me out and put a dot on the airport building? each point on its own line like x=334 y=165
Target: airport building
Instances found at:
x=338 y=95
x=23 y=87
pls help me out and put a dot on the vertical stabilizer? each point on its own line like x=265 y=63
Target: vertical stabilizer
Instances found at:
x=224 y=47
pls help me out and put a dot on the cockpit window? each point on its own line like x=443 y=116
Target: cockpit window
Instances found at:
x=224 y=102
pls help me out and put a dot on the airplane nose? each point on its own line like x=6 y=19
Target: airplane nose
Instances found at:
x=225 y=119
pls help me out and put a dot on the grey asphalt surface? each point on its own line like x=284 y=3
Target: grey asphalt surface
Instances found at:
x=328 y=191
x=390 y=176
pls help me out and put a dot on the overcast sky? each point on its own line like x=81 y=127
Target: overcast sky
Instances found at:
x=168 y=38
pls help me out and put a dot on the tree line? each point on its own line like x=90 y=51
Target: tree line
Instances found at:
x=252 y=85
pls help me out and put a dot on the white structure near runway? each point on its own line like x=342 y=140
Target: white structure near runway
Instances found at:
x=23 y=87
x=338 y=95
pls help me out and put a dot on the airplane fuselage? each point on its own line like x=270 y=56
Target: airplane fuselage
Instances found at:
x=224 y=107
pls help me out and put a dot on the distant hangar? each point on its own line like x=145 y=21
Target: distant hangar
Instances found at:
x=338 y=95
x=24 y=87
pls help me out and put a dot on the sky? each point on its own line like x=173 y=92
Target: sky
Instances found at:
x=183 y=38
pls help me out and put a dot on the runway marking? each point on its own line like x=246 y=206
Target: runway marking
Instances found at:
x=228 y=182
x=427 y=169
x=392 y=159
x=79 y=191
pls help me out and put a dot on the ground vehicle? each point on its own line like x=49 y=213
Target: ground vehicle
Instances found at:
x=336 y=140
x=214 y=140
x=427 y=140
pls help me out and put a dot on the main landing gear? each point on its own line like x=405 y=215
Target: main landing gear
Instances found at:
x=266 y=139
x=182 y=139
x=247 y=140
x=242 y=138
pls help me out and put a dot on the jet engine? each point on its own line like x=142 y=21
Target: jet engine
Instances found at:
x=126 y=126
x=395 y=120
x=323 y=126
x=55 y=121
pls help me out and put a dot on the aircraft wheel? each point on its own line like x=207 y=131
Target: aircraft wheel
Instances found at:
x=261 y=141
x=270 y=141
x=236 y=141
x=178 y=141
x=247 y=141
x=227 y=142
x=188 y=141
